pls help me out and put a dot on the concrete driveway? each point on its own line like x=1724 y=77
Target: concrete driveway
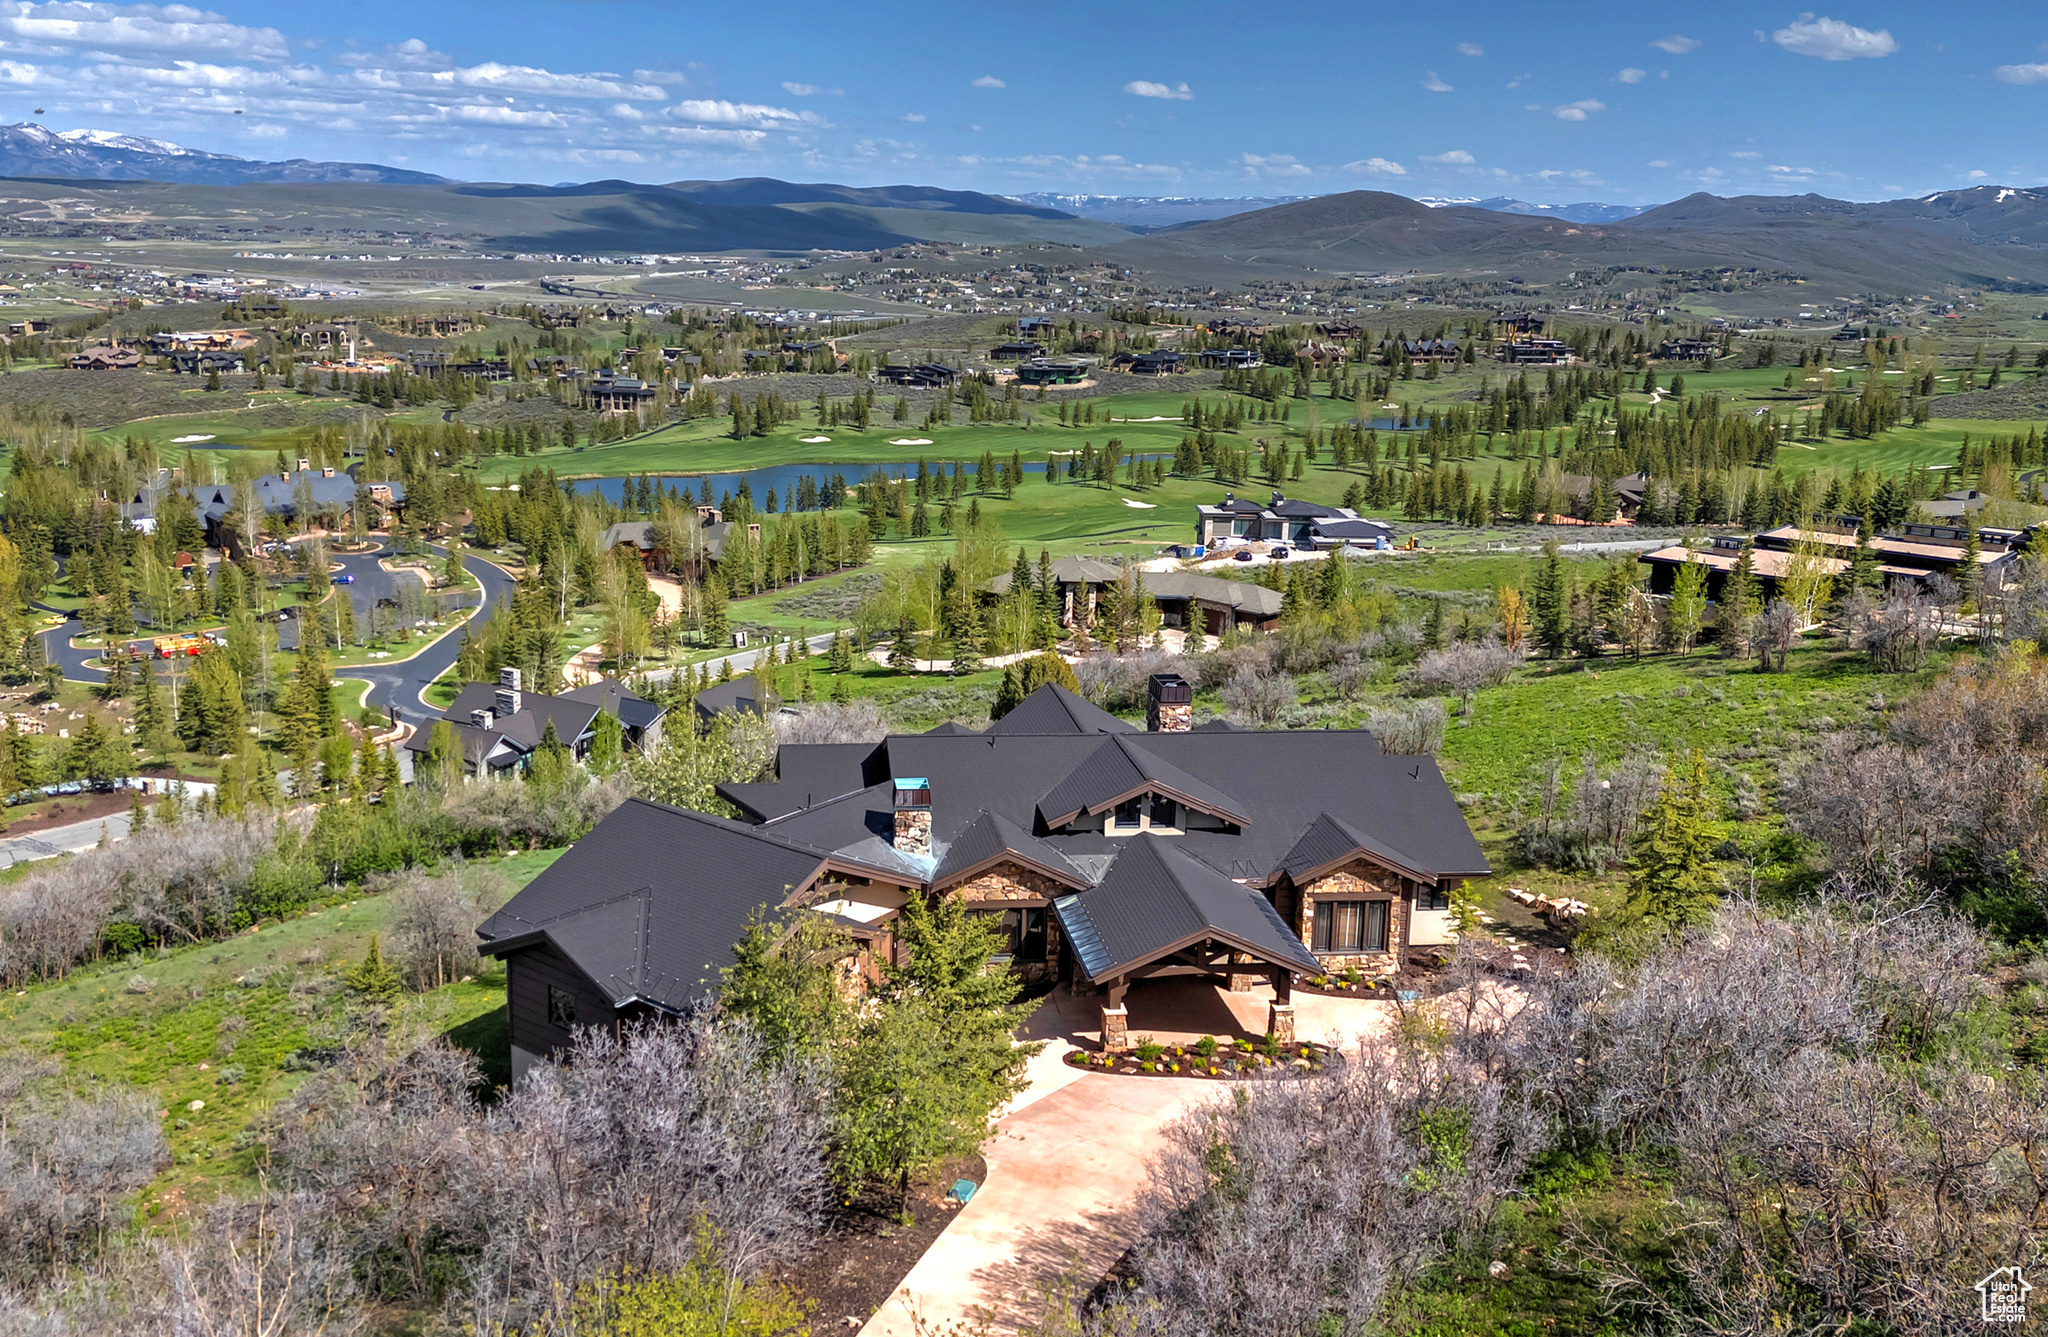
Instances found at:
x=1071 y=1152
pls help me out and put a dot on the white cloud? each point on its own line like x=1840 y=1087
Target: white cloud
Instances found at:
x=1974 y=175
x=1578 y=111
x=989 y=81
x=266 y=131
x=1146 y=88
x=1677 y=45
x=1745 y=153
x=15 y=72
x=1471 y=49
x=1631 y=75
x=492 y=114
x=914 y=117
x=528 y=79
x=717 y=111
x=801 y=90
x=1518 y=81
x=1457 y=157
x=63 y=25
x=1376 y=167
x=1272 y=164
x=1792 y=171
x=1658 y=162
x=2022 y=74
x=1832 y=39
x=1434 y=84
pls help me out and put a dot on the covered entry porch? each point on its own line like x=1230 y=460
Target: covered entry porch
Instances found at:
x=1162 y=915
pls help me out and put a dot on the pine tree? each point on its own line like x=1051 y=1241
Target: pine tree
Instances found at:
x=372 y=980
x=151 y=721
x=1548 y=602
x=1674 y=880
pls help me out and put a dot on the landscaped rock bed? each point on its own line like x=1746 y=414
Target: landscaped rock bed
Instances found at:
x=1218 y=1060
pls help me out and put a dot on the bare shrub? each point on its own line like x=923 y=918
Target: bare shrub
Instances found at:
x=1897 y=632
x=1461 y=670
x=1253 y=699
x=824 y=722
x=1408 y=728
x=434 y=918
x=178 y=882
x=1119 y=682
x=534 y=814
x=1256 y=657
x=66 y=1168
x=1606 y=808
x=1350 y=675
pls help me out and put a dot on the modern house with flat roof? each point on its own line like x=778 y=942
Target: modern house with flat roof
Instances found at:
x=1080 y=582
x=1305 y=524
x=1103 y=855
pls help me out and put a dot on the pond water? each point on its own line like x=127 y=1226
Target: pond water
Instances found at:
x=782 y=477
x=1389 y=424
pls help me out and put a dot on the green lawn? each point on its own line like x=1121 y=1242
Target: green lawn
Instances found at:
x=216 y=1022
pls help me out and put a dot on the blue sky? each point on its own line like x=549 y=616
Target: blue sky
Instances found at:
x=1630 y=103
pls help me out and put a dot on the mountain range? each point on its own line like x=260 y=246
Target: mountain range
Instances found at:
x=29 y=149
x=1984 y=236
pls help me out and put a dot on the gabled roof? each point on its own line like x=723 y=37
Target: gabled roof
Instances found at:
x=1117 y=770
x=991 y=839
x=1156 y=899
x=805 y=776
x=615 y=698
x=1328 y=842
x=1052 y=709
x=572 y=719
x=742 y=693
x=677 y=888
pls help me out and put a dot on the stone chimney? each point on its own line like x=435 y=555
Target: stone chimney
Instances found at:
x=1169 y=704
x=482 y=718
x=914 y=817
x=508 y=691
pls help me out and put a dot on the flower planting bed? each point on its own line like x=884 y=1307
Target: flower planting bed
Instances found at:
x=1217 y=1060
x=1337 y=986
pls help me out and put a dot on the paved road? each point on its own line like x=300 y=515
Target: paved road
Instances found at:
x=55 y=840
x=397 y=683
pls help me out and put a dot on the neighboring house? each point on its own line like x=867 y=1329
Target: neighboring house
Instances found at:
x=640 y=536
x=327 y=491
x=1915 y=554
x=1033 y=327
x=1430 y=350
x=1536 y=352
x=620 y=394
x=1687 y=350
x=1080 y=581
x=1162 y=363
x=640 y=719
x=192 y=362
x=1953 y=505
x=740 y=694
x=498 y=725
x=1020 y=350
x=1053 y=371
x=1627 y=491
x=105 y=357
x=927 y=374
x=1227 y=358
x=1102 y=855
x=1305 y=524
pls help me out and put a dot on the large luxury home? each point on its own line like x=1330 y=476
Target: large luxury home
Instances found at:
x=1106 y=854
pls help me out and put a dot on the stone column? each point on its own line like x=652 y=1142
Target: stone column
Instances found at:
x=1280 y=1022
x=1242 y=981
x=1116 y=1029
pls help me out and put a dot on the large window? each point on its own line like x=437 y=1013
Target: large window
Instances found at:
x=1351 y=926
x=561 y=1007
x=1022 y=929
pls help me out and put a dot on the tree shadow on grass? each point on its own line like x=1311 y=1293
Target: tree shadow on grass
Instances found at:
x=489 y=1037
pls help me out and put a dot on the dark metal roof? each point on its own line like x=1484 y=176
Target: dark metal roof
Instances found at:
x=742 y=693
x=1052 y=709
x=572 y=719
x=652 y=902
x=1118 y=769
x=1156 y=899
x=1328 y=842
x=615 y=698
x=805 y=776
x=991 y=838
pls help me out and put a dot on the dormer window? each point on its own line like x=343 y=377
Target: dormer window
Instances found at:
x=1144 y=812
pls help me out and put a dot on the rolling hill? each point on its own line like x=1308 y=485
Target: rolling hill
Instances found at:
x=1990 y=237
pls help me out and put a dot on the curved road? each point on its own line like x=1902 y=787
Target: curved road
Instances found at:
x=393 y=683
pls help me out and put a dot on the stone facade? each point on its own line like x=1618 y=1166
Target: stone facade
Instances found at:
x=1355 y=881
x=914 y=832
x=1116 y=1030
x=1280 y=1022
x=1170 y=717
x=1013 y=884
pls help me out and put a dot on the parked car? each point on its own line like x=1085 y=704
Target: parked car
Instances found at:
x=1243 y=555
x=1279 y=550
x=345 y=578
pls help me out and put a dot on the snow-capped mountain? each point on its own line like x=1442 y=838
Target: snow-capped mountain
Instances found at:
x=29 y=149
x=1571 y=213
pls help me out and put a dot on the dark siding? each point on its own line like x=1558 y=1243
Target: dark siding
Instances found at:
x=528 y=973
